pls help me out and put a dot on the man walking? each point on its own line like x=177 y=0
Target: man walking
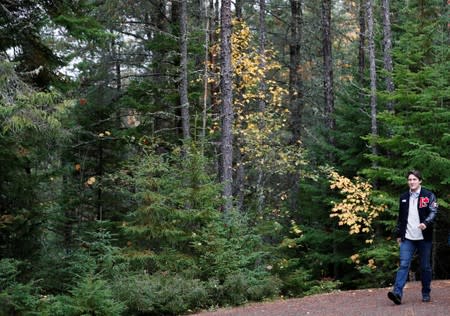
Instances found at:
x=417 y=212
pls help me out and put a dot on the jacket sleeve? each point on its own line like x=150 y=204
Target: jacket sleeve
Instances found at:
x=397 y=226
x=433 y=206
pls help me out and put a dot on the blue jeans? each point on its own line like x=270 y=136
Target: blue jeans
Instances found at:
x=407 y=250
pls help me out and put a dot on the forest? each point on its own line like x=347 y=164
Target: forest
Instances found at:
x=163 y=157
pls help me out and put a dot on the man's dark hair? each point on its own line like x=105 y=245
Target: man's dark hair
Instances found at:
x=415 y=173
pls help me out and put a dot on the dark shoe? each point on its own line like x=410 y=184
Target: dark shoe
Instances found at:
x=426 y=299
x=397 y=299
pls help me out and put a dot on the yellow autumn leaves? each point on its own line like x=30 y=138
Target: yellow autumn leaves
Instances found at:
x=356 y=210
x=357 y=260
x=260 y=115
x=250 y=67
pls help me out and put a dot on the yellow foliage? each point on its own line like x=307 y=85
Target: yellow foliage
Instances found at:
x=356 y=210
x=259 y=134
x=371 y=264
x=90 y=181
x=355 y=258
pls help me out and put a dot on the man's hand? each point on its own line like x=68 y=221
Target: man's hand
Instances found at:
x=422 y=226
x=399 y=240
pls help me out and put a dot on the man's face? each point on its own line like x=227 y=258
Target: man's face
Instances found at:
x=413 y=182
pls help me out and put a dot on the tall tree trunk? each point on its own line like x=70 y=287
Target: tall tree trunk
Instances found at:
x=262 y=53
x=216 y=11
x=238 y=9
x=207 y=18
x=227 y=104
x=69 y=219
x=295 y=89
x=387 y=47
x=214 y=87
x=262 y=100
x=362 y=50
x=295 y=81
x=117 y=61
x=373 y=75
x=328 y=70
x=99 y=188
x=328 y=91
x=184 y=100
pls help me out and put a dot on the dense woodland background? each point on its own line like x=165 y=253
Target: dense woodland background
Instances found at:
x=161 y=157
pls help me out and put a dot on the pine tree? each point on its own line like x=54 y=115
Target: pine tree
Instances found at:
x=416 y=133
x=30 y=136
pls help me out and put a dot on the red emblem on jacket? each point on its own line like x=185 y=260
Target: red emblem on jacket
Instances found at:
x=423 y=202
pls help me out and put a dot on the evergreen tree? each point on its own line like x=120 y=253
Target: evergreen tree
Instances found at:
x=30 y=136
x=416 y=133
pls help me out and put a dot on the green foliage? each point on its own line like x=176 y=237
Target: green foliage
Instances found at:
x=178 y=232
x=29 y=138
x=110 y=214
x=90 y=296
x=416 y=130
x=376 y=265
x=246 y=285
x=60 y=270
x=300 y=283
x=16 y=298
x=160 y=293
x=176 y=199
x=306 y=272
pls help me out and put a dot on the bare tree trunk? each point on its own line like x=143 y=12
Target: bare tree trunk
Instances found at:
x=240 y=177
x=227 y=104
x=387 y=47
x=214 y=86
x=295 y=81
x=116 y=56
x=295 y=89
x=262 y=52
x=184 y=100
x=69 y=219
x=99 y=201
x=238 y=9
x=262 y=100
x=206 y=17
x=373 y=75
x=216 y=11
x=362 y=50
x=328 y=89
x=213 y=24
x=328 y=69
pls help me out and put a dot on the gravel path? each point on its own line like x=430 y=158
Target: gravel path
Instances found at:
x=370 y=302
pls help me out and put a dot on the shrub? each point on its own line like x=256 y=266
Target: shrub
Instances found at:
x=59 y=271
x=243 y=286
x=160 y=294
x=16 y=298
x=91 y=296
x=301 y=283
